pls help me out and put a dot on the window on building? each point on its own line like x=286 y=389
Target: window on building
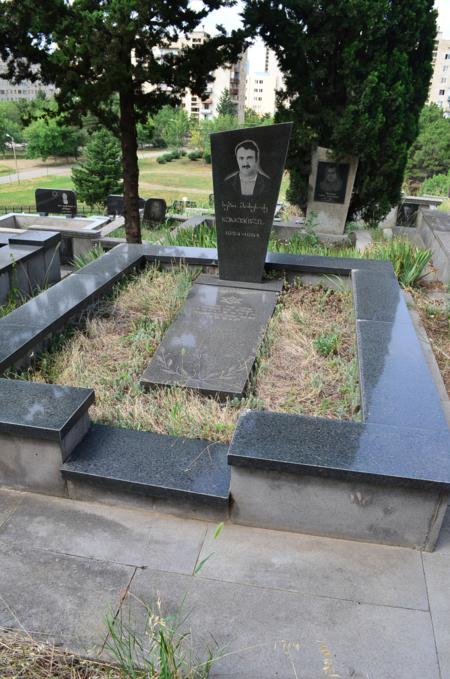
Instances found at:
x=441 y=93
x=445 y=68
x=443 y=80
x=447 y=56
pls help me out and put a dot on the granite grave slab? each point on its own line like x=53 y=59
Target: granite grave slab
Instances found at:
x=154 y=211
x=212 y=344
x=60 y=201
x=154 y=464
x=114 y=204
x=248 y=166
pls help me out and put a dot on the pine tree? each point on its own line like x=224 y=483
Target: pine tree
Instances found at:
x=226 y=106
x=356 y=76
x=100 y=173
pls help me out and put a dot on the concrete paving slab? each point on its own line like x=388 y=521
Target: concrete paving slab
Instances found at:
x=265 y=632
x=340 y=569
x=437 y=574
x=64 y=598
x=9 y=501
x=443 y=544
x=114 y=534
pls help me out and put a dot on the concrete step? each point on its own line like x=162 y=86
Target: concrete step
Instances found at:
x=134 y=463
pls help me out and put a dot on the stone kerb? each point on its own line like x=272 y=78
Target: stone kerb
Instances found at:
x=385 y=479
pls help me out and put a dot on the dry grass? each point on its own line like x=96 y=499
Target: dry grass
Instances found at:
x=111 y=352
x=435 y=316
x=298 y=376
x=21 y=657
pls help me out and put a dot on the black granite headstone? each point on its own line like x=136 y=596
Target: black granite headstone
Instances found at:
x=331 y=182
x=154 y=211
x=212 y=344
x=114 y=204
x=248 y=166
x=61 y=201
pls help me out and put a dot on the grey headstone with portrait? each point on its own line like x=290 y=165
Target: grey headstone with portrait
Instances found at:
x=330 y=190
x=248 y=166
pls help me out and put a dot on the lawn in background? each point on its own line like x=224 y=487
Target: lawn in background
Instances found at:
x=23 y=194
x=172 y=181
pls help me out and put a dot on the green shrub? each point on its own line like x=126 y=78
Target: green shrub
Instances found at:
x=408 y=260
x=207 y=158
x=195 y=155
x=439 y=185
x=161 y=160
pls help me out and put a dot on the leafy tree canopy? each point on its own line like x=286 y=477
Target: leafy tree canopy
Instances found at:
x=95 y=49
x=430 y=153
x=172 y=125
x=100 y=172
x=47 y=138
x=356 y=76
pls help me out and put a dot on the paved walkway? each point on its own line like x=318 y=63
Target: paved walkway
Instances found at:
x=279 y=605
x=65 y=170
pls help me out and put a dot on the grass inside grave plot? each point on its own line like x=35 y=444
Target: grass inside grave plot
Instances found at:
x=306 y=365
x=435 y=316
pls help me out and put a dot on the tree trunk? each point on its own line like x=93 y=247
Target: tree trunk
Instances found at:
x=128 y=138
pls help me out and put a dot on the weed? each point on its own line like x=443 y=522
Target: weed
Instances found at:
x=90 y=256
x=159 y=650
x=327 y=343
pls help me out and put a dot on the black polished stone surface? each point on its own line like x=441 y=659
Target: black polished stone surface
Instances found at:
x=114 y=263
x=319 y=264
x=269 y=285
x=45 y=411
x=396 y=385
x=60 y=201
x=35 y=237
x=247 y=167
x=154 y=211
x=177 y=254
x=57 y=304
x=152 y=464
x=344 y=450
x=212 y=344
x=17 y=341
x=377 y=297
x=114 y=204
x=4 y=238
x=12 y=255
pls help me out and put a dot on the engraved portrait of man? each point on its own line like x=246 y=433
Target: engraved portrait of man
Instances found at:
x=331 y=182
x=249 y=179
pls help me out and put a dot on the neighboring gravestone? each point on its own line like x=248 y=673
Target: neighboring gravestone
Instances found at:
x=61 y=201
x=212 y=344
x=248 y=167
x=154 y=211
x=330 y=190
x=114 y=204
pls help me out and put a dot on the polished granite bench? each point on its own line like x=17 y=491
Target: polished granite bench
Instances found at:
x=384 y=479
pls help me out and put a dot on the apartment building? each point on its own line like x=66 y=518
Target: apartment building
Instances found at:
x=23 y=90
x=232 y=78
x=439 y=92
x=263 y=80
